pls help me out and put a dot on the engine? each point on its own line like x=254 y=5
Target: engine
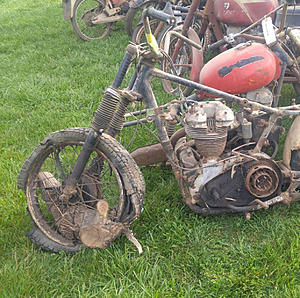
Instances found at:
x=218 y=178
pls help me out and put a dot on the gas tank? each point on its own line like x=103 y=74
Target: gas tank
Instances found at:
x=242 y=12
x=241 y=69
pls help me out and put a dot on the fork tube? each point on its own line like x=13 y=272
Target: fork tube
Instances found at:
x=81 y=162
x=130 y=51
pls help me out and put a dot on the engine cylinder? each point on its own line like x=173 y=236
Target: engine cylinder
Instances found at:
x=207 y=123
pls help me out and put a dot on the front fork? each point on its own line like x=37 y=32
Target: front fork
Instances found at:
x=105 y=113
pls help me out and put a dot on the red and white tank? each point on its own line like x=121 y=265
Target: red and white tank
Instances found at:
x=242 y=12
x=241 y=69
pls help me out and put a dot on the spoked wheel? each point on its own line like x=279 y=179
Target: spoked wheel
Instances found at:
x=182 y=63
x=84 y=13
x=111 y=176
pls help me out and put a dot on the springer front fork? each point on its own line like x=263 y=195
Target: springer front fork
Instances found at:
x=107 y=114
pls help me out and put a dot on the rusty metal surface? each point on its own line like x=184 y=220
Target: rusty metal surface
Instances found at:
x=147 y=155
x=261 y=180
x=103 y=18
x=151 y=154
x=291 y=142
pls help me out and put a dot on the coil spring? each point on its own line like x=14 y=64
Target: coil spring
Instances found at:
x=170 y=127
x=118 y=119
x=106 y=109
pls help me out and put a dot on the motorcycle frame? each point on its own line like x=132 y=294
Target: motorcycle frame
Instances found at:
x=140 y=87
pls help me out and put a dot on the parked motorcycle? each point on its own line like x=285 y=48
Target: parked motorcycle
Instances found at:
x=213 y=23
x=84 y=189
x=93 y=19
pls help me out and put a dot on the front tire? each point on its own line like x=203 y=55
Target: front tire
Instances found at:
x=111 y=175
x=83 y=14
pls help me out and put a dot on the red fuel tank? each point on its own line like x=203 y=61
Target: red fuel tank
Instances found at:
x=242 y=12
x=241 y=69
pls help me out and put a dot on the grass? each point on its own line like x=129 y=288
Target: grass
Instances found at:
x=50 y=80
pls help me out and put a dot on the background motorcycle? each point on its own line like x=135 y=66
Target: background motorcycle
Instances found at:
x=93 y=19
x=187 y=57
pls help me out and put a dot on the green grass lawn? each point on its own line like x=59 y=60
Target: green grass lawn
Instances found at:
x=50 y=80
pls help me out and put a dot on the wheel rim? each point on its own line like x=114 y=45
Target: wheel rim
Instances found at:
x=83 y=16
x=100 y=181
x=182 y=65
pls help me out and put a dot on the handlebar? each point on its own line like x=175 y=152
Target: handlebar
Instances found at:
x=217 y=44
x=158 y=14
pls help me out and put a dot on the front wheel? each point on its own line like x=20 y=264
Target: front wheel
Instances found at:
x=111 y=175
x=84 y=13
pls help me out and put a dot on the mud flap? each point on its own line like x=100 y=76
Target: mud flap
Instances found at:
x=291 y=158
x=68 y=6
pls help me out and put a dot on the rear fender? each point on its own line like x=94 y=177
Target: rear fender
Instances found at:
x=68 y=6
x=292 y=142
x=197 y=56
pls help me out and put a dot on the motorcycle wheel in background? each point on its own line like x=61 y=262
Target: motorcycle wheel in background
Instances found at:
x=83 y=14
x=133 y=16
x=138 y=35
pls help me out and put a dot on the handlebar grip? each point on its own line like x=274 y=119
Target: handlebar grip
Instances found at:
x=217 y=44
x=160 y=15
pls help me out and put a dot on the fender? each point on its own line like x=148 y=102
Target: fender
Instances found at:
x=197 y=55
x=292 y=142
x=68 y=6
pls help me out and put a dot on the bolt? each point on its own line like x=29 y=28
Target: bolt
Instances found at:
x=248 y=215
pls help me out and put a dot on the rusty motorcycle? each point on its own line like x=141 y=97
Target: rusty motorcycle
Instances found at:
x=238 y=21
x=84 y=189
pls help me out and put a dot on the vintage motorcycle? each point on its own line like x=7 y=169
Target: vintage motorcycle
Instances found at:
x=93 y=19
x=84 y=189
x=208 y=27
